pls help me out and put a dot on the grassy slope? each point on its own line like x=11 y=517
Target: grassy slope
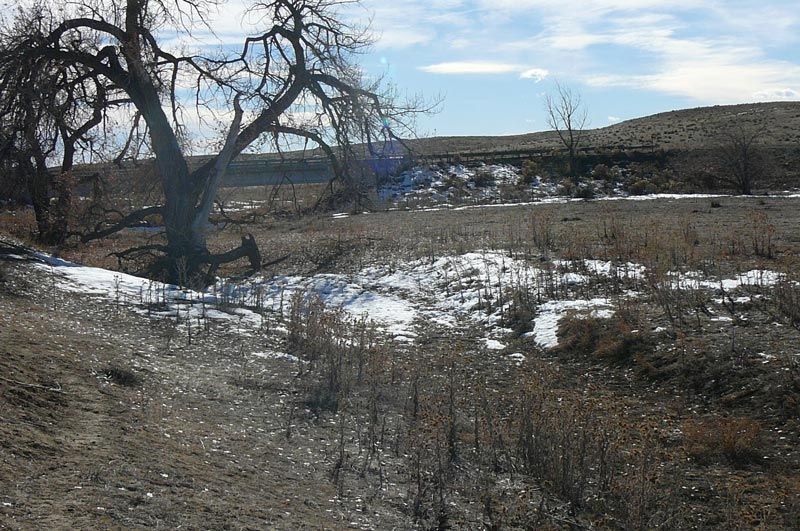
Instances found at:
x=682 y=129
x=674 y=130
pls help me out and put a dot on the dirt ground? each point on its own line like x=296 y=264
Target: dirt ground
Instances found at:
x=111 y=419
x=110 y=422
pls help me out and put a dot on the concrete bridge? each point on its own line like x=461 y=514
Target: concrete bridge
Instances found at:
x=272 y=171
x=266 y=172
x=258 y=172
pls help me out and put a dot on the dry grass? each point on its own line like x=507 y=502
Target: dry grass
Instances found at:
x=689 y=128
x=734 y=440
x=464 y=437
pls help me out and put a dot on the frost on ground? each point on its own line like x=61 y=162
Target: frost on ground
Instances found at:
x=473 y=291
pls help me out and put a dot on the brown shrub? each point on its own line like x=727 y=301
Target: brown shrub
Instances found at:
x=530 y=170
x=735 y=440
x=642 y=187
x=601 y=171
x=608 y=340
x=483 y=178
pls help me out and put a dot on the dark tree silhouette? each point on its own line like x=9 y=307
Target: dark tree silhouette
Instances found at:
x=568 y=117
x=301 y=64
x=48 y=111
x=739 y=157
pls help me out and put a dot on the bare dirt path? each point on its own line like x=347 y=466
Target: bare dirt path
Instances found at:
x=109 y=420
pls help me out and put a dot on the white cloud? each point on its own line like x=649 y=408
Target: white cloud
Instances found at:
x=706 y=70
x=399 y=38
x=486 y=68
x=614 y=119
x=536 y=74
x=777 y=95
x=708 y=51
x=399 y=25
x=472 y=67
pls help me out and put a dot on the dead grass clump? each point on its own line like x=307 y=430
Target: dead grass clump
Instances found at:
x=787 y=299
x=579 y=336
x=570 y=446
x=337 y=350
x=521 y=314
x=734 y=440
x=483 y=178
x=611 y=341
x=122 y=376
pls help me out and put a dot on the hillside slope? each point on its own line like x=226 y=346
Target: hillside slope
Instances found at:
x=674 y=130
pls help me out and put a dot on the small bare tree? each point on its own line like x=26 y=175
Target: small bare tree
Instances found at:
x=739 y=157
x=568 y=117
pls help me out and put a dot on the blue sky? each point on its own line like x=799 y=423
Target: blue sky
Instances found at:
x=494 y=59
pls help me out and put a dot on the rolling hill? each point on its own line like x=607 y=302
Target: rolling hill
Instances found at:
x=686 y=129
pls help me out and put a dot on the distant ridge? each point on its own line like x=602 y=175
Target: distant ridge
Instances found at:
x=685 y=129
x=681 y=130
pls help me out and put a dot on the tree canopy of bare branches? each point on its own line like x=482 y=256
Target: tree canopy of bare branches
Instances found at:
x=296 y=77
x=739 y=157
x=48 y=112
x=568 y=117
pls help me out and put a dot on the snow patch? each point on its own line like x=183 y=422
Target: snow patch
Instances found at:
x=545 y=325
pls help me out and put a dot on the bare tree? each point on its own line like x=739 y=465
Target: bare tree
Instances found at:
x=739 y=157
x=48 y=111
x=568 y=117
x=301 y=64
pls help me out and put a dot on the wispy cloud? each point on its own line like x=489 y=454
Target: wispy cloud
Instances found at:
x=536 y=74
x=705 y=50
x=471 y=67
x=705 y=69
x=486 y=68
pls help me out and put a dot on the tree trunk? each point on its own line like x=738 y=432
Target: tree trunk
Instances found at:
x=573 y=165
x=186 y=247
x=51 y=223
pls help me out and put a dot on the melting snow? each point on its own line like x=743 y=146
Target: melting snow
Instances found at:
x=545 y=326
x=470 y=289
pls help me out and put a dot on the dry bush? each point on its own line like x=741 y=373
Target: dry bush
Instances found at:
x=585 y=191
x=734 y=440
x=681 y=303
x=19 y=223
x=612 y=340
x=786 y=296
x=521 y=313
x=573 y=448
x=642 y=187
x=566 y=187
x=530 y=170
x=542 y=234
x=336 y=350
x=762 y=234
x=483 y=178
x=601 y=171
